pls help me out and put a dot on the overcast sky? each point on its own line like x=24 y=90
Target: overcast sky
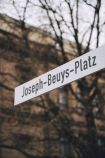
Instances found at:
x=34 y=16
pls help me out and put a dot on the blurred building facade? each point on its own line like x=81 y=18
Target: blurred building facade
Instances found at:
x=34 y=127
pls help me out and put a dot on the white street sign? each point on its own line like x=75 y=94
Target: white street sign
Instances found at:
x=62 y=75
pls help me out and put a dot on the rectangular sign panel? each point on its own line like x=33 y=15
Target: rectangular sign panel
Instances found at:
x=62 y=75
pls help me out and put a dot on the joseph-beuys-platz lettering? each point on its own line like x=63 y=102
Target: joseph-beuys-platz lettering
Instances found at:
x=80 y=65
x=64 y=74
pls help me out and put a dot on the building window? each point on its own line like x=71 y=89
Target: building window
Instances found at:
x=63 y=98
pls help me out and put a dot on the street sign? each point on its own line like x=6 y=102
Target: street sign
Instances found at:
x=81 y=66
